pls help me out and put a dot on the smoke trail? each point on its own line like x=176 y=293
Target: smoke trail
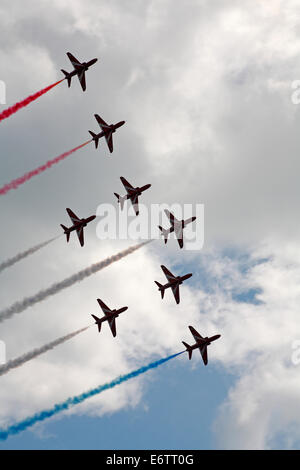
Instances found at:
x=18 y=307
x=9 y=262
x=19 y=361
x=21 y=104
x=30 y=421
x=14 y=184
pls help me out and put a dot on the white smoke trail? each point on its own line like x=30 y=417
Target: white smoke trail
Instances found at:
x=9 y=262
x=22 y=305
x=19 y=361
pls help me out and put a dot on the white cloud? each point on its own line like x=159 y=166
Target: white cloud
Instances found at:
x=257 y=342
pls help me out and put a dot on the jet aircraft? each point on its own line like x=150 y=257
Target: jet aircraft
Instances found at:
x=201 y=344
x=107 y=131
x=78 y=225
x=132 y=194
x=79 y=69
x=173 y=282
x=177 y=226
x=109 y=316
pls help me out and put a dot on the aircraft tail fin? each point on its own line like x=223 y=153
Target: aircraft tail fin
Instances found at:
x=188 y=348
x=121 y=199
x=66 y=231
x=67 y=76
x=94 y=138
x=160 y=288
x=164 y=232
x=99 y=323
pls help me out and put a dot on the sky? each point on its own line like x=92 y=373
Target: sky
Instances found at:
x=206 y=90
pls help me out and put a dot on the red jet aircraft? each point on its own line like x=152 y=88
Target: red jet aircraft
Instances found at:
x=132 y=194
x=109 y=315
x=78 y=225
x=107 y=132
x=201 y=344
x=79 y=69
x=174 y=283
x=177 y=226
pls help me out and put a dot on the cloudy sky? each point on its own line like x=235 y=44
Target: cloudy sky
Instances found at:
x=206 y=91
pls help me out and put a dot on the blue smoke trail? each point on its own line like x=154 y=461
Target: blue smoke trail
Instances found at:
x=30 y=421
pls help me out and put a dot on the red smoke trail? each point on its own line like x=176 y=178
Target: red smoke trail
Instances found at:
x=14 y=184
x=21 y=104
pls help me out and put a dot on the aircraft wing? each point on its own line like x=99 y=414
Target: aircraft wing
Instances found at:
x=203 y=352
x=180 y=242
x=179 y=236
x=135 y=203
x=112 y=324
x=80 y=235
x=129 y=188
x=109 y=141
x=168 y=274
x=170 y=216
x=188 y=221
x=104 y=307
x=81 y=77
x=72 y=216
x=175 y=290
x=101 y=122
x=75 y=62
x=197 y=337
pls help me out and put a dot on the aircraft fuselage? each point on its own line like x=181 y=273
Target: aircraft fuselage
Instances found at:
x=111 y=128
x=81 y=223
x=178 y=281
x=112 y=314
x=138 y=191
x=82 y=67
x=88 y=64
x=85 y=65
x=205 y=342
x=180 y=224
